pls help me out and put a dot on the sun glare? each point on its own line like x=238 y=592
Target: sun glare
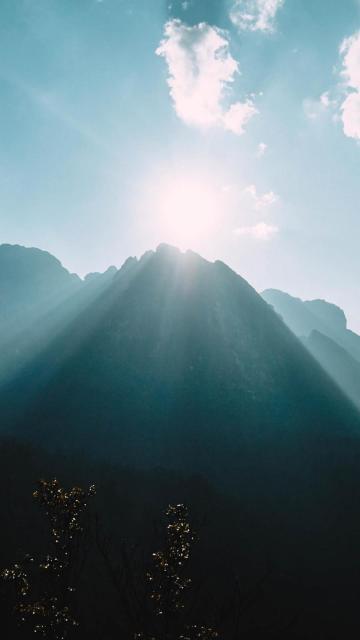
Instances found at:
x=187 y=209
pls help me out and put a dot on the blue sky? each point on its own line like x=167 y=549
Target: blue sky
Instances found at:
x=231 y=127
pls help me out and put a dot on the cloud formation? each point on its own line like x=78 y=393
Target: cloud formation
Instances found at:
x=261 y=149
x=260 y=202
x=252 y=204
x=255 y=15
x=201 y=69
x=350 y=107
x=259 y=231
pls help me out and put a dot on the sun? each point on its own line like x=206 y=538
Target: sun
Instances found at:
x=186 y=208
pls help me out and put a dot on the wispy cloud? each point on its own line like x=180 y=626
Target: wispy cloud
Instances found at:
x=255 y=15
x=201 y=70
x=314 y=109
x=257 y=201
x=254 y=205
x=343 y=100
x=259 y=231
x=261 y=149
x=350 y=107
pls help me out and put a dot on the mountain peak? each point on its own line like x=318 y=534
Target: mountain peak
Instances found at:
x=168 y=249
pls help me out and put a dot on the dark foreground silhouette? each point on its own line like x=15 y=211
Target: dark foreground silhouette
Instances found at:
x=79 y=565
x=153 y=600
x=67 y=573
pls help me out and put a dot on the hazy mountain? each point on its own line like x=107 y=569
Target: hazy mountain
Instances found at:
x=338 y=362
x=323 y=329
x=303 y=317
x=96 y=276
x=31 y=282
x=38 y=298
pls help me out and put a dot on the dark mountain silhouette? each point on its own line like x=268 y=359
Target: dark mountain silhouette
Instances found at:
x=177 y=363
x=323 y=329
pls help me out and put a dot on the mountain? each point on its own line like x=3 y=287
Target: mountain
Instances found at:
x=38 y=298
x=323 y=329
x=31 y=282
x=97 y=276
x=181 y=362
x=178 y=364
x=344 y=369
x=303 y=317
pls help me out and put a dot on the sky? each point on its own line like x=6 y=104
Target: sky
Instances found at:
x=230 y=127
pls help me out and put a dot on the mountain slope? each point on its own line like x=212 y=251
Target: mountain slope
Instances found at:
x=344 y=369
x=38 y=299
x=31 y=281
x=323 y=329
x=303 y=317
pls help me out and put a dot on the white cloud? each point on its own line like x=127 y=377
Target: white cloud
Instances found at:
x=350 y=50
x=350 y=107
x=255 y=15
x=260 y=231
x=350 y=115
x=201 y=69
x=253 y=205
x=238 y=115
x=261 y=149
x=260 y=202
x=325 y=100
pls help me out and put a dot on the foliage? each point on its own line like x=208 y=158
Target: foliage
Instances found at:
x=44 y=588
x=168 y=617
x=125 y=592
x=166 y=579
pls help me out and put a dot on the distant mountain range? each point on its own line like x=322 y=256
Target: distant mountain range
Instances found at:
x=322 y=328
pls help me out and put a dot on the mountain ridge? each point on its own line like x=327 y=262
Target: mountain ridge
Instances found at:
x=322 y=327
x=177 y=340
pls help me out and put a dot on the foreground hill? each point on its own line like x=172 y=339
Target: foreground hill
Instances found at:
x=323 y=329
